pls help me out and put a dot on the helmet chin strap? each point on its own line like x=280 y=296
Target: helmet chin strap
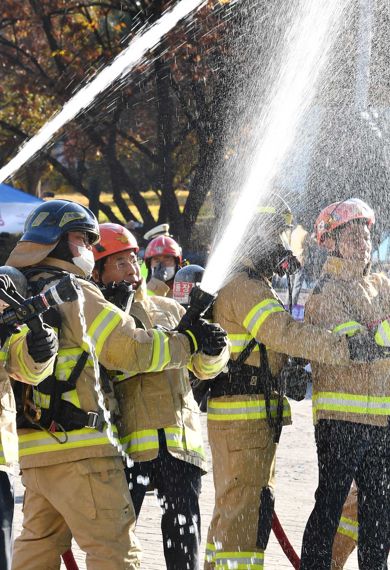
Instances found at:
x=62 y=249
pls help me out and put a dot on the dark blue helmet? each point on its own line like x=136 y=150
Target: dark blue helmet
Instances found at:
x=47 y=223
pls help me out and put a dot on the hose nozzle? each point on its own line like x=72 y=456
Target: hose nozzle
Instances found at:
x=200 y=301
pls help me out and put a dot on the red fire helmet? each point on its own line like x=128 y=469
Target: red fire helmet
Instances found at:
x=340 y=213
x=113 y=239
x=163 y=245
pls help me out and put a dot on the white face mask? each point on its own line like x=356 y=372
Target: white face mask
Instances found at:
x=163 y=273
x=85 y=261
x=170 y=273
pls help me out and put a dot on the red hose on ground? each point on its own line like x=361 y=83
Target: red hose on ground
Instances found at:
x=69 y=560
x=284 y=542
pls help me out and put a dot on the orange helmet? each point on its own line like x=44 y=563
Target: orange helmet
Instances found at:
x=113 y=239
x=340 y=213
x=163 y=245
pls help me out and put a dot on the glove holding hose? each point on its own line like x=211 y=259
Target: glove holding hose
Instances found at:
x=42 y=345
x=365 y=348
x=205 y=337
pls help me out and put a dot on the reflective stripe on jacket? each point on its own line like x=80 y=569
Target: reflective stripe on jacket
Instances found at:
x=119 y=345
x=248 y=308
x=229 y=408
x=163 y=400
x=346 y=300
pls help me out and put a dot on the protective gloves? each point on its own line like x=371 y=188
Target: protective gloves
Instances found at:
x=364 y=348
x=42 y=345
x=295 y=378
x=206 y=337
x=7 y=284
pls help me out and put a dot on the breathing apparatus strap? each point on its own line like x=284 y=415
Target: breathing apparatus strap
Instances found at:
x=270 y=383
x=60 y=415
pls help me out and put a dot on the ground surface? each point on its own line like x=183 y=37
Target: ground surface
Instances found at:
x=296 y=482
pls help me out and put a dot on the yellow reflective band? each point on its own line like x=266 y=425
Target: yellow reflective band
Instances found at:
x=351 y=403
x=72 y=397
x=150 y=293
x=259 y=313
x=349 y=527
x=210 y=552
x=194 y=342
x=138 y=441
x=349 y=328
x=207 y=368
x=265 y=210
x=2 y=458
x=102 y=327
x=178 y=438
x=239 y=560
x=161 y=354
x=239 y=341
x=40 y=442
x=244 y=410
x=67 y=360
x=4 y=351
x=41 y=400
x=29 y=375
x=382 y=335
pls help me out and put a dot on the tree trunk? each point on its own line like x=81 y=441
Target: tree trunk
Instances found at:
x=169 y=209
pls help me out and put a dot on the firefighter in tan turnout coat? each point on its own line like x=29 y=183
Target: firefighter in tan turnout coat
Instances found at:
x=25 y=359
x=73 y=474
x=159 y=422
x=244 y=413
x=351 y=405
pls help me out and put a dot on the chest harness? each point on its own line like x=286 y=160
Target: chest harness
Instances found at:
x=60 y=415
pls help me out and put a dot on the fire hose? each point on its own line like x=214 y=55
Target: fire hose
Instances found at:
x=69 y=560
x=284 y=542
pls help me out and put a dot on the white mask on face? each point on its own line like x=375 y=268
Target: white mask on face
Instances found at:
x=85 y=261
x=170 y=273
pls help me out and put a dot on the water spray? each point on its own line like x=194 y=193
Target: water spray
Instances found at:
x=118 y=69
x=306 y=54
x=96 y=369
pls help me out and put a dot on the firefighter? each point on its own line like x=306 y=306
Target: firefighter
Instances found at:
x=28 y=358
x=246 y=409
x=159 y=424
x=351 y=405
x=163 y=258
x=71 y=467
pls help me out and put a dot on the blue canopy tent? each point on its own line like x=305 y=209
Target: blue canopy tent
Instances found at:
x=15 y=206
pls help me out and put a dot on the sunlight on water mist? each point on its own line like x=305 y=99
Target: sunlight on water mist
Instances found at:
x=121 y=65
x=306 y=51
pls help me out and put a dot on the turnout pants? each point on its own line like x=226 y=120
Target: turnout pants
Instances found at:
x=348 y=451
x=6 y=518
x=243 y=455
x=87 y=499
x=178 y=486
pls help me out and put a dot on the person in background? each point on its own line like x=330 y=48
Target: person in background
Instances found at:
x=163 y=258
x=159 y=423
x=351 y=404
x=24 y=357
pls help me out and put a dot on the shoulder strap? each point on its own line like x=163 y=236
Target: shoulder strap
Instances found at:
x=244 y=354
